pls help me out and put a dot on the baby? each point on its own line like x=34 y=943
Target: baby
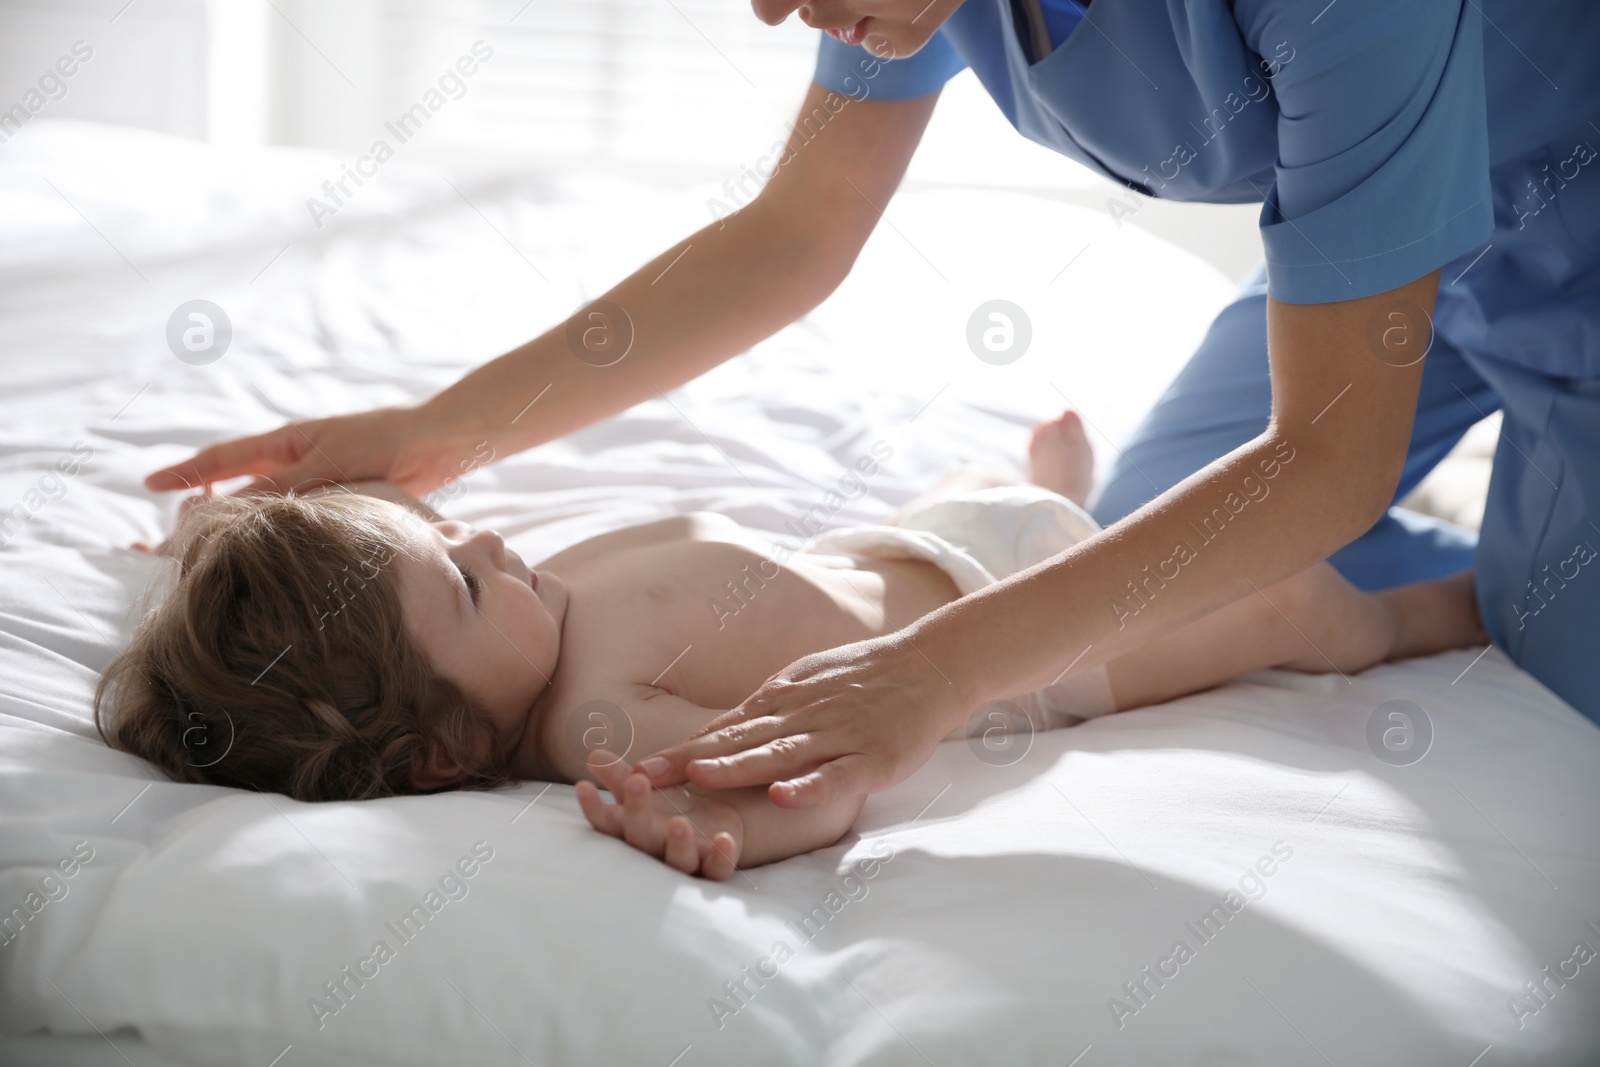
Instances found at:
x=339 y=646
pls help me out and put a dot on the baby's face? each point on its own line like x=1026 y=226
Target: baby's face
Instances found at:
x=889 y=29
x=484 y=620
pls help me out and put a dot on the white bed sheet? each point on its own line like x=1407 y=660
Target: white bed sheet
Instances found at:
x=1413 y=905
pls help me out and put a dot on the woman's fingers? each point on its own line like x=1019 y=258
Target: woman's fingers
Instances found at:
x=728 y=718
x=669 y=766
x=846 y=776
x=781 y=758
x=302 y=477
x=260 y=454
x=265 y=485
x=665 y=768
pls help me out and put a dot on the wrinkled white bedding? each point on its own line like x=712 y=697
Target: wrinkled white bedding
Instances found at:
x=1027 y=913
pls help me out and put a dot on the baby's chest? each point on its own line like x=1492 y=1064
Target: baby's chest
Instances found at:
x=708 y=622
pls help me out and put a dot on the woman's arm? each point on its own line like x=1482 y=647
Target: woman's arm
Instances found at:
x=1325 y=470
x=863 y=717
x=694 y=306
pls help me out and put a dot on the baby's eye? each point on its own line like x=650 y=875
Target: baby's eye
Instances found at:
x=474 y=586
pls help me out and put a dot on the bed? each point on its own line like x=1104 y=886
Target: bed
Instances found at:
x=1339 y=896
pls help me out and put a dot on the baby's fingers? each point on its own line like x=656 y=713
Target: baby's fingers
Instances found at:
x=611 y=771
x=682 y=853
x=719 y=859
x=642 y=827
x=607 y=818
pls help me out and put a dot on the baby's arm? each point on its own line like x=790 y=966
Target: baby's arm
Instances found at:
x=708 y=832
x=701 y=831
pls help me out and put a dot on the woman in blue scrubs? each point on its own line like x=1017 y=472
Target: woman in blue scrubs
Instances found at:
x=1430 y=194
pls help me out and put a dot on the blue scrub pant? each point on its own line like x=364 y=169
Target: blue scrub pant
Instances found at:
x=1537 y=558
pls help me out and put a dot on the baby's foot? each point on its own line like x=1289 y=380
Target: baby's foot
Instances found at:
x=1338 y=627
x=1330 y=624
x=1060 y=457
x=1435 y=616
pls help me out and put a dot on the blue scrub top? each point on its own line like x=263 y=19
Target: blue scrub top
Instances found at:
x=1383 y=138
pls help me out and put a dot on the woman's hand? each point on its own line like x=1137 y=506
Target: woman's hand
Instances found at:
x=402 y=445
x=851 y=720
x=693 y=834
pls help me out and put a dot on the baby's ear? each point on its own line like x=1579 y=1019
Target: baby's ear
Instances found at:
x=432 y=768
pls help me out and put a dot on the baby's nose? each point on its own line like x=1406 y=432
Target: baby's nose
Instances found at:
x=494 y=545
x=772 y=12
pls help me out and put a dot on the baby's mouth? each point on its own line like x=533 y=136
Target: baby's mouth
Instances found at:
x=533 y=576
x=851 y=35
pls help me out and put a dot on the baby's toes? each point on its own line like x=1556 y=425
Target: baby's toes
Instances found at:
x=1046 y=435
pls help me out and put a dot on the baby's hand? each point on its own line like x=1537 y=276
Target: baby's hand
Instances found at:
x=695 y=834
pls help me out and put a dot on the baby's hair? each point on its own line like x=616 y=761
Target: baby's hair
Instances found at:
x=279 y=660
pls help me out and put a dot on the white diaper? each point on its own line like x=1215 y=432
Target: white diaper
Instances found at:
x=978 y=538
